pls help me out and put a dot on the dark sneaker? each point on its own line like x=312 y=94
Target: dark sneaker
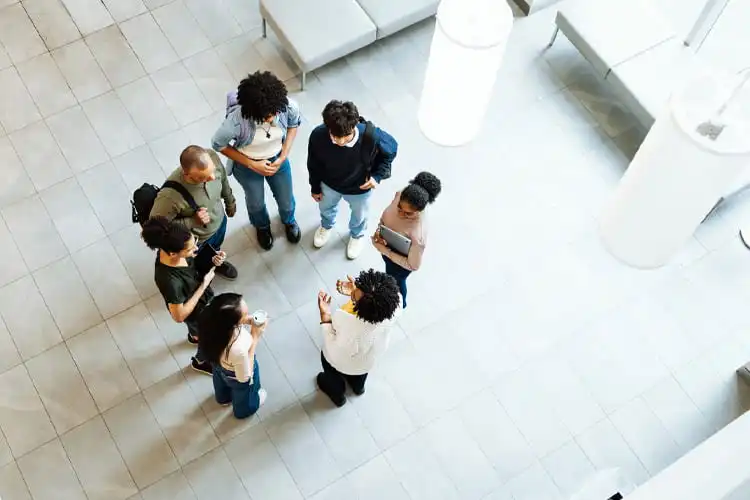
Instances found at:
x=201 y=367
x=192 y=339
x=320 y=379
x=227 y=271
x=265 y=238
x=358 y=392
x=293 y=233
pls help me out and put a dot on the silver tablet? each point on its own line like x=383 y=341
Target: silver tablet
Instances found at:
x=396 y=241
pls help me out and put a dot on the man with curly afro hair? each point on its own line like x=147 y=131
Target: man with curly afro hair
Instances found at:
x=257 y=136
x=356 y=334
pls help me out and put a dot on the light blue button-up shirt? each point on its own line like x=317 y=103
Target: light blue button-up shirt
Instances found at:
x=238 y=132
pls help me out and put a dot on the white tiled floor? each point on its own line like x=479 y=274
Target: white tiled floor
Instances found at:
x=527 y=360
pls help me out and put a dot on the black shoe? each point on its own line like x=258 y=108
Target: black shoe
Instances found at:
x=358 y=392
x=265 y=238
x=201 y=367
x=192 y=339
x=293 y=233
x=227 y=271
x=321 y=383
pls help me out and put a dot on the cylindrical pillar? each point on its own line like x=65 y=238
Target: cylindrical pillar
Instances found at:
x=677 y=175
x=467 y=48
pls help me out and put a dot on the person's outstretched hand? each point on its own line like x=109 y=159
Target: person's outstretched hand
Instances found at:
x=324 y=306
x=346 y=287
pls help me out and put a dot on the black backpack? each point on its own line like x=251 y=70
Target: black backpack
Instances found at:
x=369 y=147
x=145 y=196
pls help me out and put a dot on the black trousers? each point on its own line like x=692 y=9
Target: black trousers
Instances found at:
x=399 y=274
x=333 y=383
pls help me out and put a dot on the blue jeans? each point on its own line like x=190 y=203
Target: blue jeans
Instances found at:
x=358 y=203
x=243 y=395
x=281 y=187
x=217 y=239
x=399 y=273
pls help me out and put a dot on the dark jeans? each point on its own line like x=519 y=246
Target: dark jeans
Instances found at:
x=333 y=382
x=399 y=273
x=217 y=239
x=193 y=331
x=254 y=186
x=243 y=395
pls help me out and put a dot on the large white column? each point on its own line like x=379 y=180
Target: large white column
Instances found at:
x=677 y=175
x=467 y=48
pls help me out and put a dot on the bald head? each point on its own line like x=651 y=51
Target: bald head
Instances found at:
x=197 y=165
x=194 y=157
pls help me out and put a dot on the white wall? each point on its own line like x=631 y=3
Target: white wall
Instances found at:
x=717 y=469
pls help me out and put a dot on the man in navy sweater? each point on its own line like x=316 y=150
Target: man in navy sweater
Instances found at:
x=343 y=162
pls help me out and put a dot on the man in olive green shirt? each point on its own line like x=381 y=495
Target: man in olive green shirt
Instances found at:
x=202 y=174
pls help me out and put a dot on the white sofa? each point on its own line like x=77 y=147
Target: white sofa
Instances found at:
x=615 y=35
x=636 y=52
x=316 y=32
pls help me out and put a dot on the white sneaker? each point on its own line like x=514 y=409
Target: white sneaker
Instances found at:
x=354 y=248
x=322 y=235
x=262 y=395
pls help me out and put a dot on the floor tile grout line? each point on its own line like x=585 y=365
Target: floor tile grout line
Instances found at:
x=292 y=308
x=608 y=420
x=180 y=465
x=140 y=395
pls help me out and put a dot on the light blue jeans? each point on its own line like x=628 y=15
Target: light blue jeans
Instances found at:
x=254 y=186
x=358 y=203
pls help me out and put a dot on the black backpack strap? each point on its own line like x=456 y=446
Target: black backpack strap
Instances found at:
x=183 y=191
x=369 y=147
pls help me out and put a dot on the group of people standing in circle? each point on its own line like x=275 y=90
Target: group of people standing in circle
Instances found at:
x=347 y=158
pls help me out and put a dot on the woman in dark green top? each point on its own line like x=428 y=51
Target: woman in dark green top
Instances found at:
x=185 y=290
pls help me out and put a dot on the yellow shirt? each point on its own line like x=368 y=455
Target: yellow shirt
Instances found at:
x=349 y=307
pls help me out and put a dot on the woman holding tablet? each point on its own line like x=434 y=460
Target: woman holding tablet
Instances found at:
x=402 y=235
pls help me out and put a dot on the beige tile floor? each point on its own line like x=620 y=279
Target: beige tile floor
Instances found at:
x=527 y=360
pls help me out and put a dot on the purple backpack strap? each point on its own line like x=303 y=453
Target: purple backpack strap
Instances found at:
x=232 y=105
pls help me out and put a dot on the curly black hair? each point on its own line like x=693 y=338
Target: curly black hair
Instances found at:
x=422 y=190
x=261 y=95
x=340 y=118
x=161 y=234
x=380 y=296
x=217 y=323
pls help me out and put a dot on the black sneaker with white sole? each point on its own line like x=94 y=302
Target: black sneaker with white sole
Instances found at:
x=203 y=367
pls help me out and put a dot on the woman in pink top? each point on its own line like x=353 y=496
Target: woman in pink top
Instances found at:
x=405 y=215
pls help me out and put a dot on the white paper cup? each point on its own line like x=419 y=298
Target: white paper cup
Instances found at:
x=260 y=317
